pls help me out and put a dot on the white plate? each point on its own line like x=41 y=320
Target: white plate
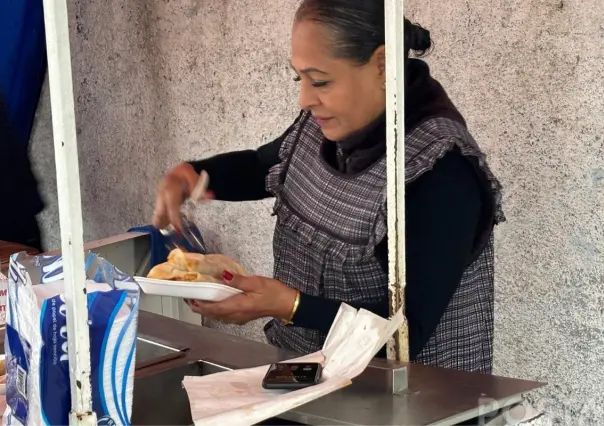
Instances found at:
x=210 y=292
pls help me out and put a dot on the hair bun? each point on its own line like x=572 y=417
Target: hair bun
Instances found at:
x=416 y=38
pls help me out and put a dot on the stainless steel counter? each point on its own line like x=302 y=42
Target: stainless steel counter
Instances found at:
x=435 y=396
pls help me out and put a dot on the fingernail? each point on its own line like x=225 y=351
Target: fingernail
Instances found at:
x=227 y=275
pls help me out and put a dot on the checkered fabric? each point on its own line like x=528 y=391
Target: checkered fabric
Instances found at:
x=328 y=224
x=463 y=339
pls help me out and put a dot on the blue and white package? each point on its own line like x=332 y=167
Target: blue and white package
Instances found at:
x=38 y=388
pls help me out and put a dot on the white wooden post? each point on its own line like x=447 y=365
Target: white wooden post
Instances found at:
x=70 y=209
x=398 y=348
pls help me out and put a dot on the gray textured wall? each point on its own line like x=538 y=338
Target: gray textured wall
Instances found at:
x=528 y=75
x=160 y=82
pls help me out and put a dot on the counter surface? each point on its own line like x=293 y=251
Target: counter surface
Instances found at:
x=435 y=395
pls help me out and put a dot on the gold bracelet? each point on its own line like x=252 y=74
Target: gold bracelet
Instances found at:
x=294 y=309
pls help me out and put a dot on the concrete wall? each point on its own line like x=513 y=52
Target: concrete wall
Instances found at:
x=528 y=75
x=159 y=82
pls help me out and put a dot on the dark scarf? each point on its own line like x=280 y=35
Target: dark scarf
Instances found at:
x=425 y=98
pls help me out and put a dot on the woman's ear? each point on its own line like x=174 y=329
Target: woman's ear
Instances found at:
x=378 y=59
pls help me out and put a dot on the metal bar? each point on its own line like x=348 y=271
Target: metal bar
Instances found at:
x=384 y=379
x=398 y=347
x=70 y=209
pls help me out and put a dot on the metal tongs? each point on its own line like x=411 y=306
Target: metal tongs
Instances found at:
x=197 y=196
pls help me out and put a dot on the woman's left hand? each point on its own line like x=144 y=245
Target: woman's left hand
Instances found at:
x=262 y=297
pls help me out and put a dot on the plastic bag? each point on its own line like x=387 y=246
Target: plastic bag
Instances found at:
x=38 y=383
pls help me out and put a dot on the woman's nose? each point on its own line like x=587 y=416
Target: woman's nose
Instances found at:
x=307 y=97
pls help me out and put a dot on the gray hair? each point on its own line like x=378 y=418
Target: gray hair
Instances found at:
x=357 y=27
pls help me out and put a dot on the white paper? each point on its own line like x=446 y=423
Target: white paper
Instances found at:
x=364 y=338
x=339 y=329
x=237 y=397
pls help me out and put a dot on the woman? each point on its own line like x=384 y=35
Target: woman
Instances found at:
x=327 y=173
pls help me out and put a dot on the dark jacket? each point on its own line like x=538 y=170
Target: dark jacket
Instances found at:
x=19 y=194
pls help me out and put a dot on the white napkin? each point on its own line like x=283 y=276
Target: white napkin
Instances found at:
x=237 y=397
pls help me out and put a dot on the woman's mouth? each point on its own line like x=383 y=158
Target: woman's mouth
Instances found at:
x=322 y=121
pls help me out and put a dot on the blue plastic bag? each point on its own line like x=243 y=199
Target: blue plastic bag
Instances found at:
x=38 y=384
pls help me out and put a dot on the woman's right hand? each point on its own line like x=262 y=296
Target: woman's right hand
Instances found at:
x=173 y=190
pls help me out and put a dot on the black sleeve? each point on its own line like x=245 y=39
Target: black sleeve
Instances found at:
x=442 y=212
x=318 y=313
x=241 y=175
x=442 y=222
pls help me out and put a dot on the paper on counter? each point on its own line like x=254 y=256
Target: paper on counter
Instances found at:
x=237 y=397
x=367 y=334
x=339 y=328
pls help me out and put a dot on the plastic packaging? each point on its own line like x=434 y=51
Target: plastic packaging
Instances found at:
x=38 y=383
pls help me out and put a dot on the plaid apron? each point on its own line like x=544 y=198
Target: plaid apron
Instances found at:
x=328 y=224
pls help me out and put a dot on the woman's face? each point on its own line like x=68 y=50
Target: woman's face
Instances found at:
x=342 y=96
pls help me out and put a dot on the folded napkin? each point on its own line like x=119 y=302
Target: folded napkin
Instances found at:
x=237 y=397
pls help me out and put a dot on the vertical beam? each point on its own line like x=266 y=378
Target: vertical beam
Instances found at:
x=70 y=209
x=398 y=347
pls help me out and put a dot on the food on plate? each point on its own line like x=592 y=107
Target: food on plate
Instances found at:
x=167 y=271
x=194 y=267
x=207 y=264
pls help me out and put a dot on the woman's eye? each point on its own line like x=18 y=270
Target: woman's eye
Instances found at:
x=314 y=83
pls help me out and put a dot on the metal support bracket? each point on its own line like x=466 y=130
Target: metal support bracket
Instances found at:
x=384 y=376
